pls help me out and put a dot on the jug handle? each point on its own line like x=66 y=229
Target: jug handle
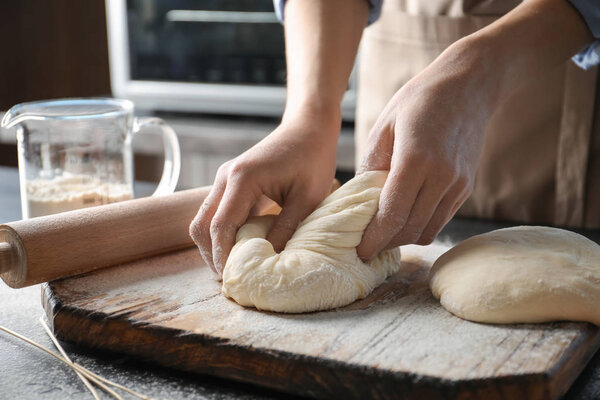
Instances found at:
x=172 y=166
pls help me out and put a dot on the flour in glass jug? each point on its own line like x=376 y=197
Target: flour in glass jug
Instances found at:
x=70 y=192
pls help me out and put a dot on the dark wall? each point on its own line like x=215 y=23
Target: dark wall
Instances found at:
x=52 y=48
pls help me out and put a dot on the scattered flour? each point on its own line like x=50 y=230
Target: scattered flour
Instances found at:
x=409 y=331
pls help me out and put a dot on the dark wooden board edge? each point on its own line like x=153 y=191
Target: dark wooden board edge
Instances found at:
x=298 y=374
x=573 y=361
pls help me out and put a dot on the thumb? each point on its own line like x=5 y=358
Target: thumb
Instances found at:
x=292 y=213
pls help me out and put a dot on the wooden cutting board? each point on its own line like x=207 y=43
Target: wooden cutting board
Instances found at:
x=397 y=343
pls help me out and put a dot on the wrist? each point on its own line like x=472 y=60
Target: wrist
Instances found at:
x=526 y=43
x=481 y=70
x=320 y=114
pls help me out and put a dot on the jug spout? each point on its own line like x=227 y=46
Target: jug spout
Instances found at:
x=9 y=119
x=17 y=115
x=65 y=109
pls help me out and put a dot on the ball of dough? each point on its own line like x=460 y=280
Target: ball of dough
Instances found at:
x=520 y=274
x=319 y=268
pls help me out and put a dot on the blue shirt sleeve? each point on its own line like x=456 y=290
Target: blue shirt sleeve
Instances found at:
x=590 y=11
x=374 y=12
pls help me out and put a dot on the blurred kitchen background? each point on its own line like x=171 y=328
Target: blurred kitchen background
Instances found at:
x=213 y=69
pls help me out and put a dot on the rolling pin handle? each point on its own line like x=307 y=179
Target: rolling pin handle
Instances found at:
x=6 y=255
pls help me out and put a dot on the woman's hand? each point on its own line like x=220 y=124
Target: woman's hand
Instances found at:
x=429 y=137
x=431 y=132
x=294 y=166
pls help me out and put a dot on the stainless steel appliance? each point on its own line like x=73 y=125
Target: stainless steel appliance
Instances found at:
x=215 y=56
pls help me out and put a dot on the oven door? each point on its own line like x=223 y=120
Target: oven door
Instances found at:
x=213 y=56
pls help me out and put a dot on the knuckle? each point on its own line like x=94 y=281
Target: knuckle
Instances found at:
x=392 y=214
x=400 y=219
x=413 y=235
x=198 y=229
x=224 y=168
x=383 y=129
x=395 y=219
x=464 y=181
x=218 y=225
x=202 y=213
x=465 y=195
x=215 y=226
x=470 y=186
x=194 y=230
x=238 y=169
x=410 y=234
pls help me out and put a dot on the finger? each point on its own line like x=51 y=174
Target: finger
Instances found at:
x=378 y=156
x=423 y=209
x=233 y=211
x=459 y=203
x=443 y=214
x=200 y=226
x=395 y=203
x=294 y=211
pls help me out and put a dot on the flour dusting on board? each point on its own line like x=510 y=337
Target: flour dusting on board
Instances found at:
x=399 y=327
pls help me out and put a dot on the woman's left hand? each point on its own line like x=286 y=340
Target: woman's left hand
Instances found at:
x=429 y=137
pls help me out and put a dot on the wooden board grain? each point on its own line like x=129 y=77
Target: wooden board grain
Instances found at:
x=396 y=343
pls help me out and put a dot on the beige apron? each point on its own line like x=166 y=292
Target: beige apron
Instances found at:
x=540 y=159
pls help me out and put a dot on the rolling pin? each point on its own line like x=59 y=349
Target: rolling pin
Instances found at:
x=66 y=244
x=61 y=245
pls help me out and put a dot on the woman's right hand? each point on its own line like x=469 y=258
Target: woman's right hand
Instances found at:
x=293 y=166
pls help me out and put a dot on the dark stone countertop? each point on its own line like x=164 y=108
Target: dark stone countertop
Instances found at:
x=27 y=373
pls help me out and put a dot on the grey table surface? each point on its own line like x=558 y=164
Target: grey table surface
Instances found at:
x=27 y=373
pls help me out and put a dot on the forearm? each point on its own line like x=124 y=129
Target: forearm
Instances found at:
x=530 y=40
x=322 y=38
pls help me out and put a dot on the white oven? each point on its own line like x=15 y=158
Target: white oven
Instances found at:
x=208 y=56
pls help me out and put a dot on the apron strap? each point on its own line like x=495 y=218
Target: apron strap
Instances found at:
x=574 y=145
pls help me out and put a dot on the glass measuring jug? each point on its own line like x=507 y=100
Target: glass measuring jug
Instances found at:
x=76 y=153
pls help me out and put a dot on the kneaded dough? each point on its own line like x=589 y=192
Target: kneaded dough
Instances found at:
x=520 y=274
x=319 y=268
